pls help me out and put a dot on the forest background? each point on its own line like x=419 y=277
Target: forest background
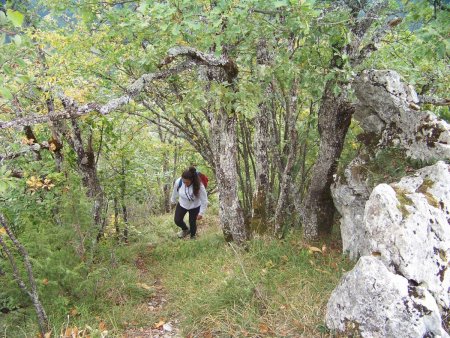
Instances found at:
x=104 y=103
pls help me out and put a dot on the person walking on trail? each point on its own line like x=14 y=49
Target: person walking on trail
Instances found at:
x=192 y=199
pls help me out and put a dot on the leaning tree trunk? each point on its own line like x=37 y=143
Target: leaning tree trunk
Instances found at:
x=335 y=115
x=30 y=290
x=334 y=119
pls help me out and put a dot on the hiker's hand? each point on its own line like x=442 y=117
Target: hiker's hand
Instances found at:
x=199 y=217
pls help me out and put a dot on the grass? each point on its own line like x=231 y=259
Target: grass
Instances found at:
x=275 y=288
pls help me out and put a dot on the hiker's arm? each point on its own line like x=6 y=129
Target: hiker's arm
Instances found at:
x=203 y=200
x=173 y=199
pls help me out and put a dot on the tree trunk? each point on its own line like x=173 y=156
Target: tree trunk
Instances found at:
x=123 y=186
x=88 y=169
x=33 y=294
x=230 y=211
x=246 y=185
x=262 y=183
x=285 y=186
x=116 y=217
x=334 y=119
x=224 y=142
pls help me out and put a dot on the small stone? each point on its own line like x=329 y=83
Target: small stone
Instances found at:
x=167 y=327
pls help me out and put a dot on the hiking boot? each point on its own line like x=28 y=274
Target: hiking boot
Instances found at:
x=183 y=233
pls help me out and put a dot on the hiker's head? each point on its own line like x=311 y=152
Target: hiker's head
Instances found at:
x=189 y=177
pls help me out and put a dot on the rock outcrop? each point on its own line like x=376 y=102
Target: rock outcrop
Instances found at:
x=387 y=107
x=373 y=302
x=400 y=286
x=386 y=111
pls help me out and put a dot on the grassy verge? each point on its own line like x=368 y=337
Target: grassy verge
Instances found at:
x=275 y=288
x=212 y=289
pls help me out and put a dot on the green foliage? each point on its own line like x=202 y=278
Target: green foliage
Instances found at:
x=93 y=49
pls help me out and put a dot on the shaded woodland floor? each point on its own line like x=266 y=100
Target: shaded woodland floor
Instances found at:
x=207 y=288
x=161 y=286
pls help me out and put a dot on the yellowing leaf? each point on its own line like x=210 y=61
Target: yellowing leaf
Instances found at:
x=15 y=17
x=45 y=281
x=312 y=249
x=263 y=328
x=2 y=231
x=102 y=326
x=159 y=324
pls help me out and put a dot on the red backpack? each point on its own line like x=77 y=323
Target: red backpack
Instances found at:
x=203 y=178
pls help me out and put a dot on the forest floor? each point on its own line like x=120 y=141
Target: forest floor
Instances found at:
x=207 y=288
x=160 y=286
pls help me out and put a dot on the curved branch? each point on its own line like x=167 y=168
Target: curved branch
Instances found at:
x=194 y=56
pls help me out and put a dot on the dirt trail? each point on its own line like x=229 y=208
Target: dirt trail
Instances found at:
x=162 y=329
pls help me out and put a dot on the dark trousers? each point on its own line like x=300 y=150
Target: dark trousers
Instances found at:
x=180 y=212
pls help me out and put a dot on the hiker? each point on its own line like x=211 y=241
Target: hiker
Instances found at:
x=192 y=198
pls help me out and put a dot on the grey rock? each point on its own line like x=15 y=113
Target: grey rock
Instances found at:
x=374 y=302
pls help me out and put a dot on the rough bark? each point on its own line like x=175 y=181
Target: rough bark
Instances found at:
x=285 y=186
x=334 y=119
x=245 y=159
x=262 y=143
x=30 y=290
x=87 y=167
x=231 y=214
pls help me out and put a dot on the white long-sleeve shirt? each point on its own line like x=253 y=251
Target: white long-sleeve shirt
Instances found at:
x=186 y=196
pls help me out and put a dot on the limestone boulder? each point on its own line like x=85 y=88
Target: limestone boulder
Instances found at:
x=350 y=196
x=388 y=107
x=371 y=301
x=408 y=225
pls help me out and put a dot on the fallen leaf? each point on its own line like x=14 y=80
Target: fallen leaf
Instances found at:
x=102 y=326
x=207 y=334
x=144 y=286
x=159 y=324
x=2 y=231
x=45 y=281
x=263 y=328
x=324 y=248
x=71 y=332
x=73 y=312
x=314 y=249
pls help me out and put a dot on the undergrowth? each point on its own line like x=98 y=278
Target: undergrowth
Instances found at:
x=274 y=288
